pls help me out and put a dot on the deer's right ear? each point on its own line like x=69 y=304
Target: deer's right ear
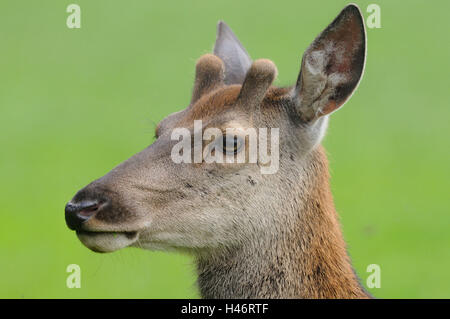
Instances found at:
x=332 y=66
x=233 y=54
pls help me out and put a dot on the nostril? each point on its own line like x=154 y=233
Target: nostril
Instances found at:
x=77 y=213
x=89 y=209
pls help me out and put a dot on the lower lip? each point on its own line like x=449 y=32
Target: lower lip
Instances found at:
x=129 y=235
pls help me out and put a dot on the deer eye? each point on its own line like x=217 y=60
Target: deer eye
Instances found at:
x=231 y=144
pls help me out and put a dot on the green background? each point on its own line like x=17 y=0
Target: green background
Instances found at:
x=76 y=102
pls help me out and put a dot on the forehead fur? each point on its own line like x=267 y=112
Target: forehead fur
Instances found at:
x=224 y=99
x=215 y=102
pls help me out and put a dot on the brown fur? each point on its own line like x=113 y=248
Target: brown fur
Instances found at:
x=326 y=268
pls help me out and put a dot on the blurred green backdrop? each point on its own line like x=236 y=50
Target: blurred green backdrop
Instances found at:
x=76 y=102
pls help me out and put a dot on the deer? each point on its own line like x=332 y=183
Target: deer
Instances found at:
x=251 y=235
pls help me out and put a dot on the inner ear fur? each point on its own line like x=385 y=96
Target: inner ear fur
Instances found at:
x=332 y=66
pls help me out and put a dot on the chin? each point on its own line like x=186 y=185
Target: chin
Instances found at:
x=105 y=242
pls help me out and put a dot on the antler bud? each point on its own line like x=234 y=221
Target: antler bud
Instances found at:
x=258 y=79
x=209 y=75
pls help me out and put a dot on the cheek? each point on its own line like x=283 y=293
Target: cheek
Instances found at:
x=194 y=228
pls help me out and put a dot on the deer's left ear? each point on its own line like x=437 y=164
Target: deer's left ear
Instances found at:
x=332 y=66
x=233 y=54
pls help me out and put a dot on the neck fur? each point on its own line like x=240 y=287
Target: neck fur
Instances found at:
x=307 y=258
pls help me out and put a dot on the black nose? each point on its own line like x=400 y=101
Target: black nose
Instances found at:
x=78 y=213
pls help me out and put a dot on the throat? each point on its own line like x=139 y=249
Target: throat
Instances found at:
x=309 y=267
x=302 y=257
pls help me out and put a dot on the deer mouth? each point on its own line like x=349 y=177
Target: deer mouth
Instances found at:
x=105 y=241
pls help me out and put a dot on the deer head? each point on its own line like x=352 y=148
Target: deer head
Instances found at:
x=152 y=202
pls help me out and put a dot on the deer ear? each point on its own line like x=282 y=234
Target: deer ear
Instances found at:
x=332 y=66
x=233 y=54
